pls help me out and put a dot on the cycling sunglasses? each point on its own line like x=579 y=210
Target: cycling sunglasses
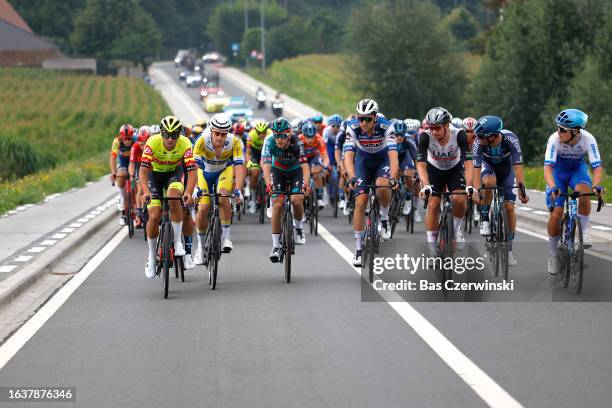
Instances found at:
x=563 y=130
x=170 y=135
x=335 y=126
x=281 y=135
x=483 y=136
x=366 y=119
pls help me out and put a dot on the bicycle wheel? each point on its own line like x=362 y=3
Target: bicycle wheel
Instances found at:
x=335 y=205
x=175 y=266
x=166 y=254
x=394 y=211
x=504 y=244
x=288 y=243
x=564 y=249
x=145 y=220
x=449 y=248
x=129 y=215
x=181 y=265
x=576 y=261
x=366 y=253
x=373 y=216
x=310 y=212
x=315 y=219
x=215 y=251
x=467 y=221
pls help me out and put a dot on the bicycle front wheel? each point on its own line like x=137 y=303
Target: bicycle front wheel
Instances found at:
x=503 y=242
x=166 y=254
x=288 y=243
x=215 y=246
x=129 y=215
x=576 y=261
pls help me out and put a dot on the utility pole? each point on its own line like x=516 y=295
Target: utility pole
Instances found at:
x=263 y=35
x=246 y=28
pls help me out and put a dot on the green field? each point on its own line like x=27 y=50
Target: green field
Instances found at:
x=57 y=127
x=321 y=81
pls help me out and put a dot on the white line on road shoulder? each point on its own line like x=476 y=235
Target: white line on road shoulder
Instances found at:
x=483 y=385
x=29 y=329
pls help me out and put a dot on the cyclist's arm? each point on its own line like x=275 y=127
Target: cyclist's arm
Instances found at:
x=421 y=164
x=597 y=176
x=393 y=162
x=113 y=157
x=248 y=153
x=133 y=160
x=466 y=156
x=595 y=160
x=144 y=174
x=519 y=174
x=349 y=153
x=303 y=163
x=548 y=176
x=550 y=159
x=239 y=168
x=323 y=152
x=476 y=164
x=266 y=161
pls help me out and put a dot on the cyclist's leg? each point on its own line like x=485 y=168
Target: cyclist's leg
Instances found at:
x=506 y=178
x=556 y=216
x=382 y=174
x=365 y=176
x=296 y=180
x=175 y=189
x=225 y=187
x=201 y=220
x=156 y=183
x=489 y=179
x=278 y=182
x=456 y=183
x=437 y=180
x=581 y=181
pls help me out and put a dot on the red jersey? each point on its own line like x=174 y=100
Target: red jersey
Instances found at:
x=135 y=153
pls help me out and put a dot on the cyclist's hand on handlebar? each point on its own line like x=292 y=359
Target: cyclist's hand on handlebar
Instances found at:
x=470 y=191
x=238 y=196
x=553 y=192
x=197 y=193
x=425 y=191
x=353 y=182
x=113 y=177
x=393 y=183
x=269 y=189
x=599 y=190
x=187 y=199
x=306 y=188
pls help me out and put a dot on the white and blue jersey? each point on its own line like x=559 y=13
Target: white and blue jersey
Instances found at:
x=568 y=163
x=330 y=143
x=371 y=152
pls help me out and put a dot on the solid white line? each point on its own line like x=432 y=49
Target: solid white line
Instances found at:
x=29 y=329
x=483 y=385
x=172 y=85
x=545 y=238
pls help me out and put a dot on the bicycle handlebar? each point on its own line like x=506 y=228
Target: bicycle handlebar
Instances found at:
x=521 y=187
x=576 y=194
x=442 y=194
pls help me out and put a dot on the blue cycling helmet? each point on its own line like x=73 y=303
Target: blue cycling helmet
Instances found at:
x=488 y=126
x=318 y=118
x=399 y=127
x=334 y=120
x=309 y=130
x=572 y=118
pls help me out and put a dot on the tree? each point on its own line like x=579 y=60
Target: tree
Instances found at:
x=106 y=30
x=531 y=57
x=406 y=71
x=289 y=40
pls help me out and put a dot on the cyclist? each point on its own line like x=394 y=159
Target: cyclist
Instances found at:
x=468 y=125
x=370 y=158
x=406 y=154
x=498 y=161
x=442 y=154
x=457 y=122
x=161 y=169
x=134 y=168
x=196 y=132
x=317 y=120
x=564 y=166
x=339 y=155
x=255 y=140
x=285 y=166
x=412 y=131
x=316 y=153
x=329 y=138
x=218 y=154
x=120 y=150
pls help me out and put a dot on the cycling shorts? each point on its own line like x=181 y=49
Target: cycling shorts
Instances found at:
x=571 y=178
x=282 y=180
x=161 y=181
x=223 y=179
x=505 y=178
x=405 y=161
x=368 y=169
x=453 y=178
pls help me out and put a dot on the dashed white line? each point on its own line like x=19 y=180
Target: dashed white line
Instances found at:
x=540 y=212
x=48 y=242
x=75 y=225
x=83 y=220
x=90 y=216
x=58 y=236
x=23 y=258
x=601 y=227
x=7 y=268
x=67 y=230
x=37 y=249
x=479 y=381
x=525 y=208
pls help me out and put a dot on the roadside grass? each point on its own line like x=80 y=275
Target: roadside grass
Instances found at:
x=534 y=179
x=57 y=124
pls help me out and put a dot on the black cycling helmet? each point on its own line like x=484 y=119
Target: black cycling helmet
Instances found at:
x=438 y=116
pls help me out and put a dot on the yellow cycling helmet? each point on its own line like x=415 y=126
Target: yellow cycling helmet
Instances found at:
x=171 y=124
x=261 y=126
x=201 y=123
x=197 y=129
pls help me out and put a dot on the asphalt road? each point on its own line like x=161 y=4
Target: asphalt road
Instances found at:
x=257 y=341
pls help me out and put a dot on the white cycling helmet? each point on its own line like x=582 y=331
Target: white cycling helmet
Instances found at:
x=457 y=122
x=412 y=125
x=221 y=122
x=367 y=107
x=154 y=129
x=295 y=125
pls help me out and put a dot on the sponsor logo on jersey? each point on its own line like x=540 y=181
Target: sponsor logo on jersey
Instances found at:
x=594 y=150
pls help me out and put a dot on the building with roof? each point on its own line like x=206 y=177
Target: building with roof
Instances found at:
x=19 y=46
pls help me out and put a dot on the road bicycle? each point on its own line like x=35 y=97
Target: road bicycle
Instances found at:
x=371 y=237
x=287 y=238
x=570 y=249
x=311 y=207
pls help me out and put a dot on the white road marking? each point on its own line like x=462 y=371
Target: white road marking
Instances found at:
x=75 y=225
x=83 y=220
x=173 y=86
x=67 y=230
x=7 y=268
x=37 y=249
x=59 y=236
x=601 y=227
x=23 y=258
x=483 y=385
x=525 y=208
x=90 y=216
x=545 y=238
x=48 y=242
x=540 y=212
x=25 y=333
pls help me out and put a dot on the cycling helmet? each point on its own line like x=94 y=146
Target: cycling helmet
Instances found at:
x=197 y=130
x=309 y=130
x=126 y=131
x=334 y=120
x=457 y=122
x=469 y=123
x=154 y=129
x=280 y=125
x=143 y=134
x=318 y=118
x=412 y=125
x=367 y=107
x=295 y=125
x=220 y=122
x=380 y=115
x=247 y=124
x=399 y=127
x=201 y=123
x=171 y=124
x=424 y=124
x=572 y=118
x=438 y=116
x=261 y=126
x=238 y=128
x=488 y=126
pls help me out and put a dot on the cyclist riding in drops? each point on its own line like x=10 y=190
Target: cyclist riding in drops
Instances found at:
x=134 y=169
x=498 y=161
x=285 y=168
x=218 y=153
x=161 y=169
x=564 y=166
x=120 y=150
x=442 y=154
x=370 y=157
x=316 y=153
x=255 y=141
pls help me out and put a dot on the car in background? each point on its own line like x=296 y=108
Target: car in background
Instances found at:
x=211 y=58
x=215 y=103
x=181 y=58
x=211 y=88
x=183 y=74
x=238 y=108
x=211 y=75
x=193 y=79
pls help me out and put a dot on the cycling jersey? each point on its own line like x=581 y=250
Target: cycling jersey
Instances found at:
x=313 y=147
x=568 y=157
x=121 y=150
x=381 y=141
x=156 y=156
x=255 y=141
x=406 y=153
x=288 y=159
x=207 y=159
x=340 y=140
x=445 y=157
x=507 y=152
x=135 y=153
x=330 y=143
